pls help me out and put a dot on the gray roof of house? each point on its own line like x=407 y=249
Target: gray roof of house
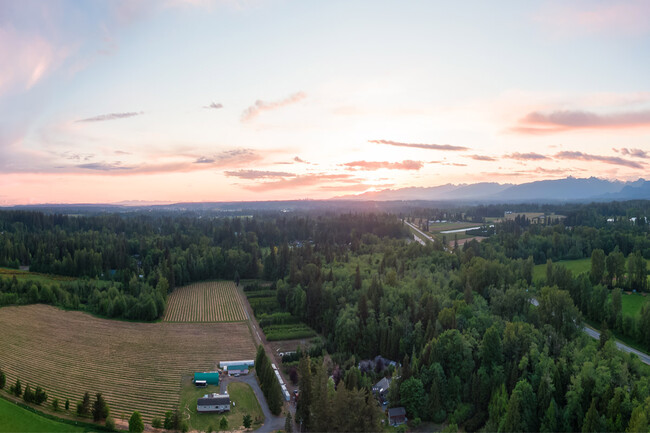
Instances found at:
x=396 y=411
x=211 y=401
x=382 y=384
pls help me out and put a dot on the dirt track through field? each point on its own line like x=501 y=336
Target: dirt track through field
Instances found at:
x=136 y=366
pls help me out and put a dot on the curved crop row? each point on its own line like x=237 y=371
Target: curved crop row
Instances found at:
x=211 y=301
x=136 y=366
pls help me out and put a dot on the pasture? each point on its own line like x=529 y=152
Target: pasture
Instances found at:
x=210 y=301
x=240 y=393
x=14 y=418
x=136 y=366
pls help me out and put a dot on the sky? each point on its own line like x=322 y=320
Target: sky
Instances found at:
x=208 y=100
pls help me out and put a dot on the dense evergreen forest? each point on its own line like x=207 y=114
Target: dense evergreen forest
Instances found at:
x=478 y=342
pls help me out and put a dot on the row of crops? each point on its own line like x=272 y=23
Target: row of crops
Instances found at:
x=276 y=324
x=211 y=301
x=136 y=366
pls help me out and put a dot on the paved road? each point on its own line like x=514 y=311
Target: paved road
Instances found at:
x=596 y=335
x=625 y=348
x=420 y=232
x=271 y=423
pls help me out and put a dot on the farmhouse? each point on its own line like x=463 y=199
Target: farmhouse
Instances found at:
x=237 y=369
x=380 y=390
x=396 y=416
x=210 y=378
x=213 y=403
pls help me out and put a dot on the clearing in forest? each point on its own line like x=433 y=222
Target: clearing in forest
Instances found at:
x=210 y=301
x=136 y=366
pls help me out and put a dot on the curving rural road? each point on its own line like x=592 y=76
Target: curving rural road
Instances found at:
x=625 y=348
x=595 y=334
x=424 y=235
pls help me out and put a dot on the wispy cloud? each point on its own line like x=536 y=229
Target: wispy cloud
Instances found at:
x=260 y=106
x=482 y=158
x=420 y=146
x=526 y=156
x=614 y=160
x=213 y=106
x=111 y=116
x=258 y=174
x=122 y=152
x=300 y=160
x=636 y=153
x=621 y=17
x=537 y=122
x=104 y=166
x=230 y=158
x=313 y=179
x=376 y=165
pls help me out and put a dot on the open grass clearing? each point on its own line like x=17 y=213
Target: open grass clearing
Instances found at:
x=14 y=418
x=576 y=267
x=210 y=301
x=241 y=394
x=136 y=366
x=631 y=303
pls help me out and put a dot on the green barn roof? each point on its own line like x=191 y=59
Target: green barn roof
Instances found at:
x=237 y=367
x=212 y=378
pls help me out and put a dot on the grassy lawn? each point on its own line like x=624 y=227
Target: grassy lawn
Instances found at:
x=243 y=401
x=14 y=418
x=576 y=267
x=632 y=303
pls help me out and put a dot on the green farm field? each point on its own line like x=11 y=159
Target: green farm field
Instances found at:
x=14 y=418
x=136 y=366
x=210 y=301
x=240 y=393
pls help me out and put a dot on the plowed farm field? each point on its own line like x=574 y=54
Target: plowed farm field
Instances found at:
x=136 y=366
x=211 y=301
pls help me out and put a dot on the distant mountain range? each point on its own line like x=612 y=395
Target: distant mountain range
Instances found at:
x=560 y=190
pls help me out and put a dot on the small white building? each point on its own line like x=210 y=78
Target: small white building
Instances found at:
x=213 y=403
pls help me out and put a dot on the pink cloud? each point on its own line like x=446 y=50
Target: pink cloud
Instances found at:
x=526 y=156
x=537 y=122
x=307 y=180
x=620 y=17
x=25 y=59
x=376 y=165
x=636 y=153
x=419 y=145
x=482 y=158
x=614 y=160
x=260 y=106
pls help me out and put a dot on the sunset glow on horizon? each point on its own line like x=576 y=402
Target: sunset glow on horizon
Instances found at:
x=199 y=100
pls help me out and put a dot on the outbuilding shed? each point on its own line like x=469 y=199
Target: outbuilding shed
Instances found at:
x=210 y=377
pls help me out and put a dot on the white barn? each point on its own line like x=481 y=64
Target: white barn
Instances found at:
x=213 y=403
